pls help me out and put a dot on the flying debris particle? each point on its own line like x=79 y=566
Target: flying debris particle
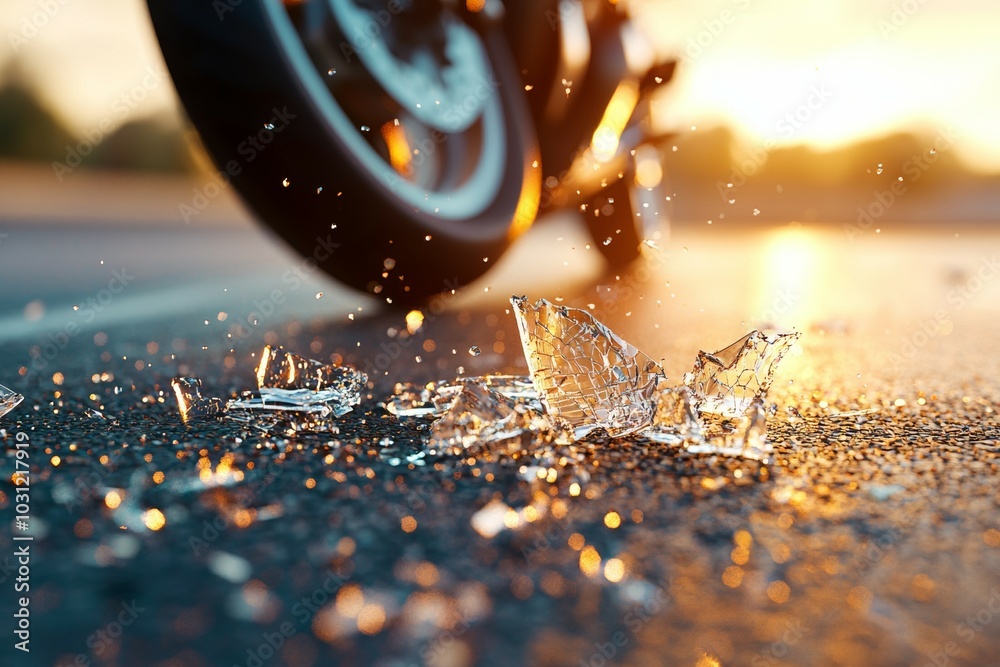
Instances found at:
x=475 y=351
x=286 y=182
x=319 y=295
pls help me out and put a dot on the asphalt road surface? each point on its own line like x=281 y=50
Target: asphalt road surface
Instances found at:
x=872 y=539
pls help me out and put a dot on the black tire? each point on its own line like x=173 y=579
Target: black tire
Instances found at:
x=233 y=69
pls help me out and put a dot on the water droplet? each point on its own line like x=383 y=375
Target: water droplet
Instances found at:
x=365 y=128
x=607 y=241
x=756 y=211
x=286 y=182
x=475 y=351
x=331 y=72
x=319 y=295
x=268 y=126
x=879 y=170
x=319 y=190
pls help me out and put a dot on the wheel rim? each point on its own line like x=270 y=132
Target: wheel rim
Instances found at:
x=446 y=159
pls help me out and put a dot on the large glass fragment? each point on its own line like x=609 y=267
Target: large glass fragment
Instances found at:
x=583 y=372
x=9 y=400
x=728 y=381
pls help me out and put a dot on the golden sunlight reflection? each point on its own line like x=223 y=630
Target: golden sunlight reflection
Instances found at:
x=788 y=273
x=852 y=71
x=399 y=148
x=604 y=144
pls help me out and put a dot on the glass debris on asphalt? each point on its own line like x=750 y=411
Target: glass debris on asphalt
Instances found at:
x=728 y=381
x=583 y=378
x=592 y=378
x=294 y=395
x=585 y=373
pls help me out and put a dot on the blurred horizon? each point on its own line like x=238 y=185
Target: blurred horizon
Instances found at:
x=785 y=100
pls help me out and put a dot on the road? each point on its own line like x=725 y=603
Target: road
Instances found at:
x=873 y=537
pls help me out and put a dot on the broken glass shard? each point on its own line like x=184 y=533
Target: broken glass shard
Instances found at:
x=676 y=418
x=286 y=412
x=728 y=381
x=412 y=400
x=583 y=372
x=308 y=378
x=479 y=411
x=190 y=401
x=745 y=437
x=9 y=400
x=295 y=395
x=473 y=411
x=432 y=399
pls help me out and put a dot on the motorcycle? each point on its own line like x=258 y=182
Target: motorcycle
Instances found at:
x=404 y=144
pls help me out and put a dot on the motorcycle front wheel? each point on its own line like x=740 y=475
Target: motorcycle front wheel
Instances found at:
x=390 y=142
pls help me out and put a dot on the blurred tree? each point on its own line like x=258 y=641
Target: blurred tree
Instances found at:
x=27 y=130
x=149 y=144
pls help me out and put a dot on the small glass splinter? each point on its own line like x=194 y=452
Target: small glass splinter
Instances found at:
x=726 y=382
x=294 y=395
x=191 y=403
x=312 y=381
x=583 y=372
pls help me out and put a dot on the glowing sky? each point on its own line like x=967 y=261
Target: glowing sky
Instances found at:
x=936 y=66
